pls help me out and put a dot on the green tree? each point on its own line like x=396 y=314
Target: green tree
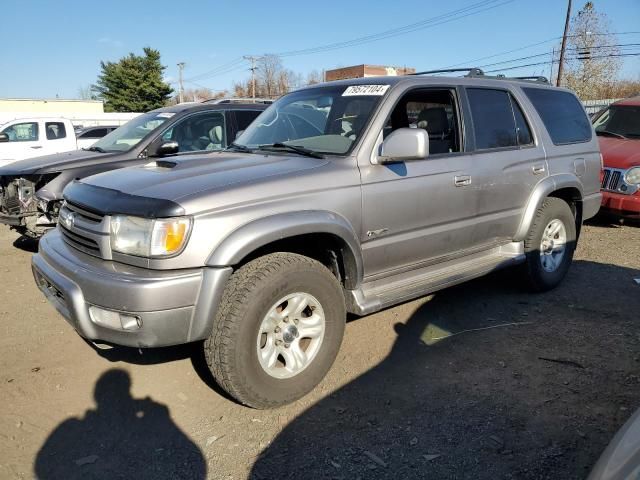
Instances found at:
x=133 y=84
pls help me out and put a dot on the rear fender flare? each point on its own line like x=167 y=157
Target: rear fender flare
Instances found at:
x=543 y=190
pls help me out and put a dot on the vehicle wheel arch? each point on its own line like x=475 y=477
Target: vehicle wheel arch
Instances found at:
x=564 y=186
x=321 y=235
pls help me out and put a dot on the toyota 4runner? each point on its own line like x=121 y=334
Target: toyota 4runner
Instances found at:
x=349 y=196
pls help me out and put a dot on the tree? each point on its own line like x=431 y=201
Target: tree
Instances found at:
x=86 y=93
x=133 y=84
x=592 y=67
x=314 y=77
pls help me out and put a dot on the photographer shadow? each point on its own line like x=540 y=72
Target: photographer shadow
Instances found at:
x=122 y=437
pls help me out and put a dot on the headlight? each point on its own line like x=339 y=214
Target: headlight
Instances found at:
x=146 y=237
x=632 y=177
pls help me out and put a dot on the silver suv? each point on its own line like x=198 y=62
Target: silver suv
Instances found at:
x=349 y=196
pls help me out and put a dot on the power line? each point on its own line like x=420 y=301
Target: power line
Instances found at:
x=472 y=61
x=473 y=9
x=630 y=54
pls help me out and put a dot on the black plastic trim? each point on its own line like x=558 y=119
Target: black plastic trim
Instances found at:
x=106 y=201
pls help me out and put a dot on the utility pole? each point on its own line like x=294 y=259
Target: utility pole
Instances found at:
x=181 y=86
x=564 y=44
x=253 y=60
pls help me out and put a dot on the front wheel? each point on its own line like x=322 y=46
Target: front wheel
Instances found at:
x=549 y=245
x=277 y=331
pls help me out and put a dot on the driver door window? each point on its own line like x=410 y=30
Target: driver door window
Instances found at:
x=432 y=111
x=22 y=132
x=200 y=132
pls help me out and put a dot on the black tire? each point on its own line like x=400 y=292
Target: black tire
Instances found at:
x=252 y=290
x=537 y=278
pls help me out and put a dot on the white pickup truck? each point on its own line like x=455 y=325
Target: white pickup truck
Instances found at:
x=33 y=137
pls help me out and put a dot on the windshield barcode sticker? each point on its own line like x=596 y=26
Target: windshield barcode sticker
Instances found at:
x=372 y=90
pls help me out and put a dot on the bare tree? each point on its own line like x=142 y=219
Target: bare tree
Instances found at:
x=591 y=67
x=313 y=77
x=269 y=71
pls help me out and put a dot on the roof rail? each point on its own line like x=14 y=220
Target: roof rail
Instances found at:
x=239 y=100
x=540 y=79
x=471 y=72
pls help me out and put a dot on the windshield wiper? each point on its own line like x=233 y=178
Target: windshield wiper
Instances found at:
x=292 y=148
x=95 y=149
x=611 y=134
x=237 y=146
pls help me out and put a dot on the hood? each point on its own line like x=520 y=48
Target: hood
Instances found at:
x=620 y=153
x=58 y=162
x=176 y=178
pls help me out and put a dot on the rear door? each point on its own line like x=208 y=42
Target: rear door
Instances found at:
x=508 y=161
x=57 y=137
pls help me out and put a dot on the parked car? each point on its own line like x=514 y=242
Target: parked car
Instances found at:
x=328 y=203
x=31 y=190
x=90 y=135
x=618 y=130
x=34 y=137
x=621 y=459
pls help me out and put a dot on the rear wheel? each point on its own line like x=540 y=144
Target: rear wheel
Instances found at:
x=277 y=331
x=549 y=245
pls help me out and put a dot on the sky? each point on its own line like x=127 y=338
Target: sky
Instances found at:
x=54 y=48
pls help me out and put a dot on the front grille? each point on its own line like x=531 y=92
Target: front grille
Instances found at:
x=84 y=230
x=80 y=242
x=87 y=215
x=611 y=180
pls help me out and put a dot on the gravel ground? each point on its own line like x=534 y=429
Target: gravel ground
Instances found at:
x=478 y=381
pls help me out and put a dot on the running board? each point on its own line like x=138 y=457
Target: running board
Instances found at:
x=402 y=287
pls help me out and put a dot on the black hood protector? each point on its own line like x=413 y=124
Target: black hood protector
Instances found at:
x=106 y=201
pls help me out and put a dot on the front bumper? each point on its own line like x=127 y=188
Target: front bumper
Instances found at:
x=622 y=205
x=173 y=307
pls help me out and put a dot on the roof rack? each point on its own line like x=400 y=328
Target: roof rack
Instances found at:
x=477 y=72
x=471 y=72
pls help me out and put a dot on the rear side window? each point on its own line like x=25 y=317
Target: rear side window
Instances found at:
x=522 y=128
x=493 y=120
x=245 y=117
x=55 y=130
x=562 y=115
x=95 y=133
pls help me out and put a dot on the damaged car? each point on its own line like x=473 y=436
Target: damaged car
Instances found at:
x=31 y=190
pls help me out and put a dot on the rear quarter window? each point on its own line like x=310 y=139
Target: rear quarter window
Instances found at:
x=562 y=115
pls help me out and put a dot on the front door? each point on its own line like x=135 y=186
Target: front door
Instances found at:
x=25 y=141
x=423 y=211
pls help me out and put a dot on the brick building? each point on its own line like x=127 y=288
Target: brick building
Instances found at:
x=359 y=71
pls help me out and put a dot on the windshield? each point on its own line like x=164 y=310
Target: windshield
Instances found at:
x=622 y=120
x=128 y=135
x=323 y=120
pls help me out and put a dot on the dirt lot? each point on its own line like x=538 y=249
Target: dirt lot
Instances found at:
x=436 y=388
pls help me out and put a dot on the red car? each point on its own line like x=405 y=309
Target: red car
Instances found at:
x=618 y=129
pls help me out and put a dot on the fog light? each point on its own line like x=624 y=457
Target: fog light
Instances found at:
x=115 y=320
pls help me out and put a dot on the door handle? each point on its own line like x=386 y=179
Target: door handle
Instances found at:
x=538 y=169
x=462 y=180
x=36 y=146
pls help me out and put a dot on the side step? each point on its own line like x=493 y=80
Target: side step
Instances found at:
x=398 y=288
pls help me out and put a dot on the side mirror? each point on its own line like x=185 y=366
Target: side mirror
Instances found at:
x=404 y=144
x=4 y=137
x=166 y=148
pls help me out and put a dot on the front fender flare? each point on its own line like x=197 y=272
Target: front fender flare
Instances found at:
x=542 y=191
x=258 y=233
